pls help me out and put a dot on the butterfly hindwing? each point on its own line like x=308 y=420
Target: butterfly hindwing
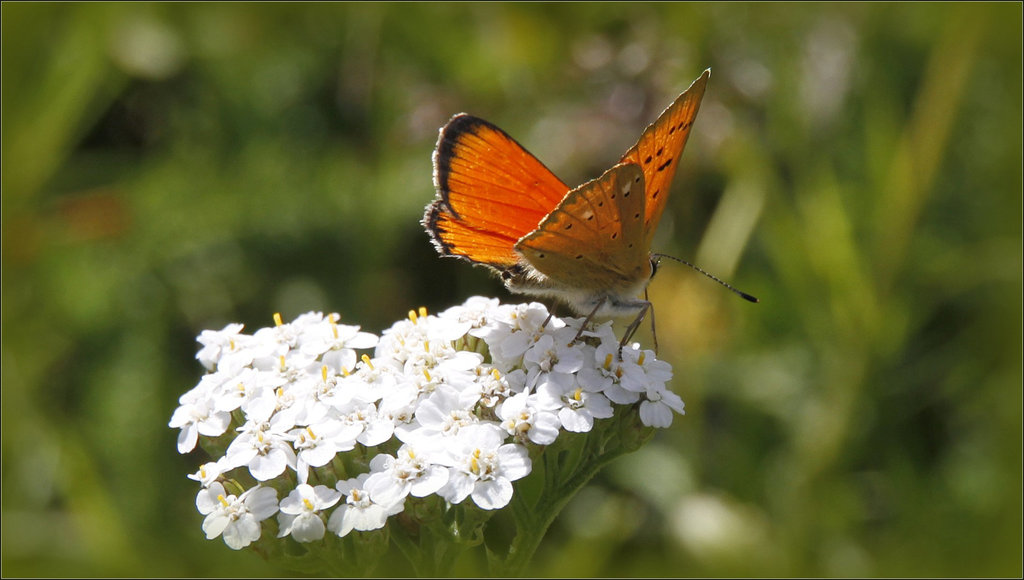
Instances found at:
x=491 y=192
x=659 y=148
x=594 y=239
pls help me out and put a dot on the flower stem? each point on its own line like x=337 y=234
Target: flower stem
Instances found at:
x=594 y=450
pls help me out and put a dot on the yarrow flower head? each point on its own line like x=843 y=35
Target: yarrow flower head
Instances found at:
x=299 y=515
x=236 y=518
x=438 y=413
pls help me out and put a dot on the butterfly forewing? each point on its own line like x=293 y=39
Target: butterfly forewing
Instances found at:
x=491 y=192
x=595 y=238
x=660 y=147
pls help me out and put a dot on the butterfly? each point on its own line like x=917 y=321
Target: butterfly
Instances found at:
x=590 y=246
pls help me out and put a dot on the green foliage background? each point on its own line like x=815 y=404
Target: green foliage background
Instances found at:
x=168 y=168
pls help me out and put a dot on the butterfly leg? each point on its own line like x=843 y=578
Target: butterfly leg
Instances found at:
x=645 y=307
x=587 y=320
x=551 y=314
x=654 y=333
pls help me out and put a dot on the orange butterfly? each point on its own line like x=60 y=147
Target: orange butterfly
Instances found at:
x=497 y=205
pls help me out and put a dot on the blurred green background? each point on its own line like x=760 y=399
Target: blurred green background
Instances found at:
x=169 y=168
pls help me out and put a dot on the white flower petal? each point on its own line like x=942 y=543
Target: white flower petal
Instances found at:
x=492 y=495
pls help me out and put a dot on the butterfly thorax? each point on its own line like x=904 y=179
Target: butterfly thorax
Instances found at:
x=622 y=298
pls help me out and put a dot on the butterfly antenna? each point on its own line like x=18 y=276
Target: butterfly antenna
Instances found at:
x=742 y=294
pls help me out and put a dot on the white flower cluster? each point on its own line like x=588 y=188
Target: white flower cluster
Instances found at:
x=457 y=424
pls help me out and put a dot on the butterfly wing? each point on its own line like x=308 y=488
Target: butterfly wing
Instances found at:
x=491 y=192
x=660 y=147
x=594 y=241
